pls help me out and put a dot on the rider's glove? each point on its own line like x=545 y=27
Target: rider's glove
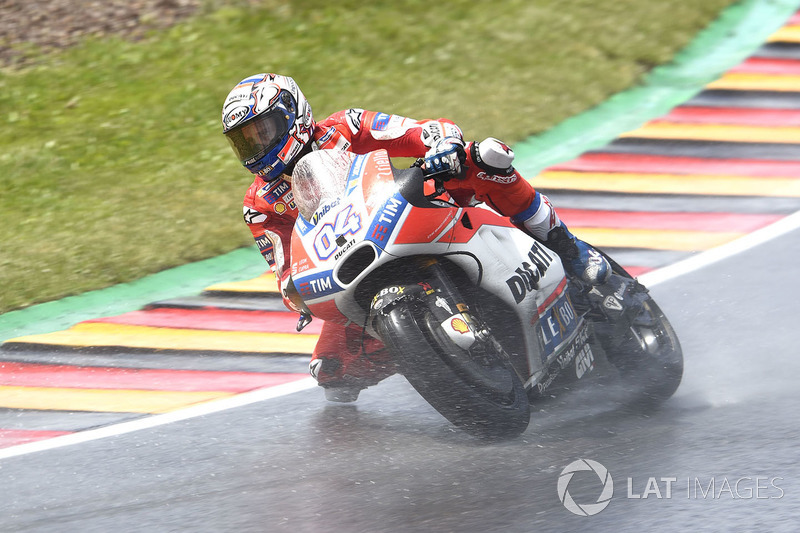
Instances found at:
x=447 y=155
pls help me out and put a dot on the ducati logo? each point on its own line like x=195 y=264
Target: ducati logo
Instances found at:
x=529 y=274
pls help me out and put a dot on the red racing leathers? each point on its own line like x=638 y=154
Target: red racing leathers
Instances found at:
x=270 y=212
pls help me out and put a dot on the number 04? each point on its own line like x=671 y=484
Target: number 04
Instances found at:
x=346 y=223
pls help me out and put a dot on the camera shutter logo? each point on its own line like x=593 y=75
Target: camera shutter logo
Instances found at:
x=587 y=509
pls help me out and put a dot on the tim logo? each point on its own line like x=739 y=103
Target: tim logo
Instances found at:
x=380 y=122
x=266 y=249
x=314 y=286
x=273 y=196
x=386 y=221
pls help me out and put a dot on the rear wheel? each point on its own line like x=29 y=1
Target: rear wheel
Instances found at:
x=475 y=389
x=649 y=355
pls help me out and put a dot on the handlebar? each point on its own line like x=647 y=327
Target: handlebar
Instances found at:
x=438 y=179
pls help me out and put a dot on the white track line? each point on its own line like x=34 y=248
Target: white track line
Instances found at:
x=206 y=408
x=751 y=240
x=696 y=262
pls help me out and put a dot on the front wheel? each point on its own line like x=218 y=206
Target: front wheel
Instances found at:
x=475 y=389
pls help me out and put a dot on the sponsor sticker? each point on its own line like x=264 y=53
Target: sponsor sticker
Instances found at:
x=273 y=195
x=505 y=180
x=383 y=224
x=459 y=325
x=458 y=331
x=324 y=210
x=353 y=117
x=557 y=324
x=291 y=149
x=266 y=248
x=380 y=121
x=343 y=248
x=235 y=116
x=251 y=216
x=528 y=274
x=317 y=285
x=584 y=362
x=326 y=137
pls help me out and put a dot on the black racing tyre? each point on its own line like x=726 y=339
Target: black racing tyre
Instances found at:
x=650 y=357
x=480 y=394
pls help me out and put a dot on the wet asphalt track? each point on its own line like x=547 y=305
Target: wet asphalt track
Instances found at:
x=390 y=463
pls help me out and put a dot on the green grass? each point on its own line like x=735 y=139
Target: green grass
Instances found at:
x=113 y=164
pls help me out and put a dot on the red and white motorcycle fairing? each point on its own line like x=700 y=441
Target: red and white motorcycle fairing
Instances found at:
x=354 y=221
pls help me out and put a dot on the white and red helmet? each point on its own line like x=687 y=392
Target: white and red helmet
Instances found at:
x=268 y=123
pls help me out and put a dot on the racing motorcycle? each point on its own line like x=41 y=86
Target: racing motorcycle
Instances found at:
x=479 y=317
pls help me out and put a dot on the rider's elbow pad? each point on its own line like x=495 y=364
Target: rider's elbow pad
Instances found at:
x=493 y=156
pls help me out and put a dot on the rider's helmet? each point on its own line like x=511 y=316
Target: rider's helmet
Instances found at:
x=269 y=124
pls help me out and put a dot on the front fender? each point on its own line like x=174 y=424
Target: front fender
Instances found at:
x=452 y=316
x=389 y=296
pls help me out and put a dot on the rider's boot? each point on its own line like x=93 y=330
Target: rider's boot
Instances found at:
x=345 y=362
x=343 y=384
x=580 y=260
x=327 y=372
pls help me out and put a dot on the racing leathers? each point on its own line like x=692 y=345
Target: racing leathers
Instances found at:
x=342 y=358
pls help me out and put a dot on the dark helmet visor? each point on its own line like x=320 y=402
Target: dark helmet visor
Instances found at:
x=258 y=136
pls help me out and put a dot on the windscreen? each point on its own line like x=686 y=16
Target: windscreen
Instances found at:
x=319 y=177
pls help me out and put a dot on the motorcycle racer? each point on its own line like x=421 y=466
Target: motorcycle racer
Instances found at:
x=269 y=124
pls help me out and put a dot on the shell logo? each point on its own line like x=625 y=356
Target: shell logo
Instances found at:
x=459 y=325
x=280 y=208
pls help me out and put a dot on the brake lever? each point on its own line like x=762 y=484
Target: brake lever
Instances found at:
x=438 y=179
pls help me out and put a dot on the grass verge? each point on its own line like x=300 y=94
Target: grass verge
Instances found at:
x=113 y=165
